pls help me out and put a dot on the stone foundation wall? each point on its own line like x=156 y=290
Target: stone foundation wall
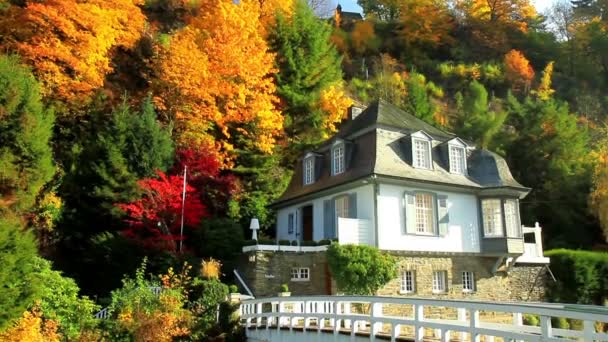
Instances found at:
x=521 y=283
x=264 y=272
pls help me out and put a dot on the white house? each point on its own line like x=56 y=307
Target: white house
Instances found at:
x=392 y=181
x=447 y=209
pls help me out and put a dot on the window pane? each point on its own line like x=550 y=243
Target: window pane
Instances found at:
x=492 y=217
x=513 y=229
x=342 y=206
x=308 y=171
x=290 y=223
x=468 y=282
x=422 y=158
x=439 y=281
x=407 y=281
x=457 y=162
x=338 y=159
x=424 y=213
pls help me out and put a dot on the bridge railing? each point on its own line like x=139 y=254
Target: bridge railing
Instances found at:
x=375 y=316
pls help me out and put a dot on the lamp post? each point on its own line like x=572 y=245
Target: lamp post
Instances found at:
x=254 y=226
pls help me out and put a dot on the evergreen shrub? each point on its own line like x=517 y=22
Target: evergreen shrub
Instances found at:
x=582 y=276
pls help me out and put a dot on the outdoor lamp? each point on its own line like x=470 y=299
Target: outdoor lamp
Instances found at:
x=254 y=226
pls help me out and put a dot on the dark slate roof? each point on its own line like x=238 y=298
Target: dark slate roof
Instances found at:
x=380 y=138
x=491 y=170
x=386 y=114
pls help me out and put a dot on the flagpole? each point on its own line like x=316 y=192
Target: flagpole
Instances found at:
x=181 y=232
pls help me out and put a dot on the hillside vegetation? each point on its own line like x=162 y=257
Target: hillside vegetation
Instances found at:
x=106 y=104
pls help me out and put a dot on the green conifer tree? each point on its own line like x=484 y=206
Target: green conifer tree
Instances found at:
x=26 y=127
x=418 y=100
x=549 y=153
x=307 y=63
x=476 y=119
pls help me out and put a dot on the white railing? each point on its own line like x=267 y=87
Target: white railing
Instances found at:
x=105 y=312
x=283 y=248
x=355 y=231
x=377 y=316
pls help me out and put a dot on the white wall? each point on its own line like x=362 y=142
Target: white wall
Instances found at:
x=365 y=210
x=463 y=231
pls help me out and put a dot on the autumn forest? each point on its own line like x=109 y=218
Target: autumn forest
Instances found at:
x=106 y=104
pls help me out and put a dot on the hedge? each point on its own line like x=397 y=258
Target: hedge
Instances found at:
x=582 y=276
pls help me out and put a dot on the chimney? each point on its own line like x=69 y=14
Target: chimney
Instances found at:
x=354 y=112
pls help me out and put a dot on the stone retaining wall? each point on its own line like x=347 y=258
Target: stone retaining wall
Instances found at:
x=264 y=272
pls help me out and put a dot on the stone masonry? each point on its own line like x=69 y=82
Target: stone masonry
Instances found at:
x=264 y=273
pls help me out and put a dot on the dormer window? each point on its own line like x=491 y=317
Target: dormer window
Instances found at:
x=457 y=156
x=309 y=170
x=457 y=160
x=338 y=159
x=421 y=150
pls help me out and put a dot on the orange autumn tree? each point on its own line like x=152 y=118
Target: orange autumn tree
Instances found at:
x=425 y=22
x=69 y=43
x=518 y=71
x=215 y=78
x=32 y=327
x=269 y=9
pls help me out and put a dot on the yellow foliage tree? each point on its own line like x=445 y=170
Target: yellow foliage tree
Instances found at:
x=335 y=103
x=69 y=43
x=268 y=10
x=544 y=91
x=216 y=76
x=31 y=327
x=490 y=20
x=425 y=22
x=518 y=71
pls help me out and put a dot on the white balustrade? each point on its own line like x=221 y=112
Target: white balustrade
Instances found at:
x=356 y=315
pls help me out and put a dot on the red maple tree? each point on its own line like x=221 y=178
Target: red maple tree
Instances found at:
x=155 y=219
x=204 y=172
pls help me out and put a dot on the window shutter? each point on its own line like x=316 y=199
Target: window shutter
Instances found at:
x=352 y=205
x=318 y=167
x=409 y=204
x=443 y=216
x=329 y=218
x=406 y=149
x=349 y=153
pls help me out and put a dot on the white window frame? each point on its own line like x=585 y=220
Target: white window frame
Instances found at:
x=338 y=158
x=300 y=274
x=291 y=223
x=425 y=216
x=342 y=206
x=458 y=163
x=468 y=281
x=408 y=282
x=440 y=279
x=427 y=158
x=512 y=226
x=309 y=170
x=492 y=221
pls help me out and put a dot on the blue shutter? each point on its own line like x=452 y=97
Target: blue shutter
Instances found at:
x=443 y=216
x=349 y=154
x=409 y=206
x=352 y=205
x=329 y=219
x=318 y=167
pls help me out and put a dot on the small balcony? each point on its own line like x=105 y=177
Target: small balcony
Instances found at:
x=355 y=232
x=533 y=246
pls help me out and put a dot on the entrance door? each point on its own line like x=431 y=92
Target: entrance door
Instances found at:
x=307 y=223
